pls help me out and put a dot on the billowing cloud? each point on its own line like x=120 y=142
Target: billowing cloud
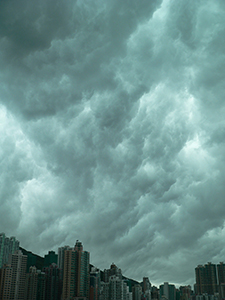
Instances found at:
x=112 y=131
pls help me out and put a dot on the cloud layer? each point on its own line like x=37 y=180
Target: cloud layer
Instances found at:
x=113 y=131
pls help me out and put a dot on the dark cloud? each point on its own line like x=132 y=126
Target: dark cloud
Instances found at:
x=112 y=131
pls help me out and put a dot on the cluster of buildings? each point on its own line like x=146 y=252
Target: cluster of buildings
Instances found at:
x=68 y=275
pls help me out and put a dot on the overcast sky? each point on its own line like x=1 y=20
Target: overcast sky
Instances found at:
x=112 y=131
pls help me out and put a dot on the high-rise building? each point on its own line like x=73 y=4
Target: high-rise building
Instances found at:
x=7 y=246
x=68 y=274
x=206 y=279
x=76 y=273
x=18 y=262
x=210 y=279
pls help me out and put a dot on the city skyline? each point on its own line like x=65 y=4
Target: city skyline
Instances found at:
x=208 y=275
x=113 y=132
x=25 y=275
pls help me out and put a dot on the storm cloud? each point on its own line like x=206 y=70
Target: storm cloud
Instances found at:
x=113 y=131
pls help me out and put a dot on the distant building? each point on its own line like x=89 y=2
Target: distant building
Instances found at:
x=210 y=280
x=115 y=289
x=113 y=286
x=167 y=291
x=7 y=247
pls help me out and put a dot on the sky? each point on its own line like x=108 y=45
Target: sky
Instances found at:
x=112 y=131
